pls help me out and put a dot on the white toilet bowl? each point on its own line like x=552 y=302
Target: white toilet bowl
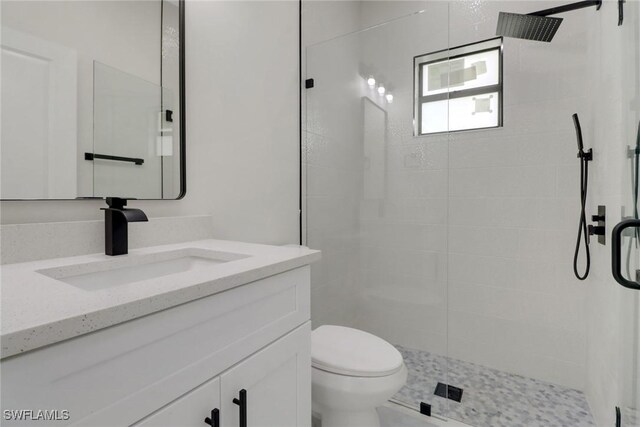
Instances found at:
x=353 y=373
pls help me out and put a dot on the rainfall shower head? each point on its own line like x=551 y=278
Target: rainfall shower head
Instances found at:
x=528 y=27
x=537 y=26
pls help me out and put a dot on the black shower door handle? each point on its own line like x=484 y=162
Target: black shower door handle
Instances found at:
x=242 y=403
x=616 y=253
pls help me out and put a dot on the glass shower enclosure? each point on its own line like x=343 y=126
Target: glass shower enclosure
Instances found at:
x=441 y=183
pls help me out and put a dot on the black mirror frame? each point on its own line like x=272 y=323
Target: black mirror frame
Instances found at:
x=183 y=116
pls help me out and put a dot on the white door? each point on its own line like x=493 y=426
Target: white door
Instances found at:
x=39 y=90
x=190 y=410
x=277 y=382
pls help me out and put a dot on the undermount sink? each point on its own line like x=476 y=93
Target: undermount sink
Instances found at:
x=128 y=269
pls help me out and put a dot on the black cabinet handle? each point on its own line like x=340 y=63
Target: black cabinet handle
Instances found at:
x=242 y=403
x=616 y=253
x=214 y=419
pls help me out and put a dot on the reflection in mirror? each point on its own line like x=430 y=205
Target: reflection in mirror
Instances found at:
x=39 y=116
x=132 y=132
x=375 y=140
x=87 y=84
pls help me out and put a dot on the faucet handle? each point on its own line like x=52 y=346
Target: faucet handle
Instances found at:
x=116 y=202
x=130 y=215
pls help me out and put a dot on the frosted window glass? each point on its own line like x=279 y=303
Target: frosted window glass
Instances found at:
x=468 y=72
x=435 y=116
x=471 y=112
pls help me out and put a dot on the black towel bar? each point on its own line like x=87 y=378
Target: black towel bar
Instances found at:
x=92 y=156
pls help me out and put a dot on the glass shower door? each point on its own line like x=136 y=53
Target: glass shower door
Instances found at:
x=376 y=195
x=628 y=413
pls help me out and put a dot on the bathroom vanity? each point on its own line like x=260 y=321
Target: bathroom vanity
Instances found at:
x=164 y=336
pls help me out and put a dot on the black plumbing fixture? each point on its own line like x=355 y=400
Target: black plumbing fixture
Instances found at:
x=539 y=26
x=600 y=228
x=116 y=218
x=583 y=232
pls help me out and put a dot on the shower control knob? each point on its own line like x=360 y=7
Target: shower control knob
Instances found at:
x=597 y=230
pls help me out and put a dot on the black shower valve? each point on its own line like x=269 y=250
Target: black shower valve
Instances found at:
x=597 y=230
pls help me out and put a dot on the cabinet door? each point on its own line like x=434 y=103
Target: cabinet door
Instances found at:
x=277 y=380
x=190 y=410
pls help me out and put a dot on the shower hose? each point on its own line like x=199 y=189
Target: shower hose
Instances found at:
x=582 y=227
x=583 y=234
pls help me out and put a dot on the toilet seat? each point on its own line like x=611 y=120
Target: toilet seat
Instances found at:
x=347 y=351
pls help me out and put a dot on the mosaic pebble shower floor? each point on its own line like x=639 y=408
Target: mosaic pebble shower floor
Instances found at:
x=491 y=398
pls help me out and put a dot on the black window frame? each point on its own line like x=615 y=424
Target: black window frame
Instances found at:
x=421 y=61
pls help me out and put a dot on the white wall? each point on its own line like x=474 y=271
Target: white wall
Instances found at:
x=242 y=127
x=39 y=96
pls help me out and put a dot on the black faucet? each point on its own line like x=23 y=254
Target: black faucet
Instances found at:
x=116 y=218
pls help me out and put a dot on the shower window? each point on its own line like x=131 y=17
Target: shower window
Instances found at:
x=459 y=89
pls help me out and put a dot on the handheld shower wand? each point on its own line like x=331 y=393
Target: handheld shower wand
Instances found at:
x=585 y=157
x=576 y=123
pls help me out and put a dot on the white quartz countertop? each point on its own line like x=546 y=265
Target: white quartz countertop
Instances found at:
x=39 y=310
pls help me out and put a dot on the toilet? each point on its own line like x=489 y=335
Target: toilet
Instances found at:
x=353 y=372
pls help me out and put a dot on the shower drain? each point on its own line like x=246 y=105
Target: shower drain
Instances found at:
x=448 y=392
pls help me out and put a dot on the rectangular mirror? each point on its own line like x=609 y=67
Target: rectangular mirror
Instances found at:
x=92 y=99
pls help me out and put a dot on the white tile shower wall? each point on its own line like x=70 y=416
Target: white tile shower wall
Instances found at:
x=507 y=197
x=492 y=212
x=242 y=149
x=513 y=209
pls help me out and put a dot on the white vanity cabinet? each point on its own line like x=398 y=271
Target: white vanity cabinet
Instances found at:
x=189 y=410
x=274 y=381
x=173 y=367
